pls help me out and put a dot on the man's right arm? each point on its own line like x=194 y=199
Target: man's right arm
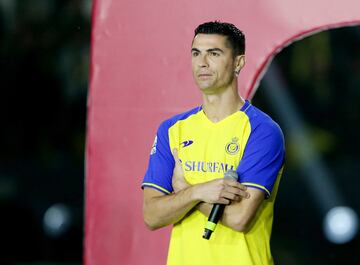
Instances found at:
x=160 y=210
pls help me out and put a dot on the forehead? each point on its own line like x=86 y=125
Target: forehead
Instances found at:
x=209 y=41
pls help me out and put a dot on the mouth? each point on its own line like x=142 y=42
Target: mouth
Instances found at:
x=204 y=76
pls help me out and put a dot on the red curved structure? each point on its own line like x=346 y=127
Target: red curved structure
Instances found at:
x=141 y=74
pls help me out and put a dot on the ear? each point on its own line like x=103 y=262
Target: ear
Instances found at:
x=239 y=63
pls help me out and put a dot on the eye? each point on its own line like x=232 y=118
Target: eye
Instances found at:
x=214 y=54
x=194 y=53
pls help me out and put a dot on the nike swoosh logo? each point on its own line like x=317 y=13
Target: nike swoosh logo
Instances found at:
x=187 y=143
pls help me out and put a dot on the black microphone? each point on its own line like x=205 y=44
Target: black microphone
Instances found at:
x=217 y=210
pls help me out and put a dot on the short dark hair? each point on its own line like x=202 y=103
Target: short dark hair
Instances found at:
x=235 y=36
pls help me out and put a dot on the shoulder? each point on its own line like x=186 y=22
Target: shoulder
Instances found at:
x=262 y=125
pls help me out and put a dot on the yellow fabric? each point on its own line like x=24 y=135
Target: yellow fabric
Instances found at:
x=226 y=246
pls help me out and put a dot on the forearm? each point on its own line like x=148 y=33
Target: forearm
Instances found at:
x=239 y=214
x=231 y=216
x=162 y=210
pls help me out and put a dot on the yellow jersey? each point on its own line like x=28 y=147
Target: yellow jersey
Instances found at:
x=247 y=141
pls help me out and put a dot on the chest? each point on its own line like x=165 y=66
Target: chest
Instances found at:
x=207 y=151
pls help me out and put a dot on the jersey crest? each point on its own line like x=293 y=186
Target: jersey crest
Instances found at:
x=232 y=148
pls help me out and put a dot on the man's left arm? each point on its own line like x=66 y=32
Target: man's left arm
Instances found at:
x=258 y=170
x=238 y=215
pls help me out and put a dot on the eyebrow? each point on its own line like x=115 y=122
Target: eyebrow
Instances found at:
x=215 y=50
x=208 y=50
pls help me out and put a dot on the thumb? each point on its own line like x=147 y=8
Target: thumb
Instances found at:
x=176 y=156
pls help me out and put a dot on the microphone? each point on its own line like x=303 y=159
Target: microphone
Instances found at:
x=218 y=209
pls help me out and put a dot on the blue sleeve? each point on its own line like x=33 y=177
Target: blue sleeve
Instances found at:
x=263 y=157
x=161 y=163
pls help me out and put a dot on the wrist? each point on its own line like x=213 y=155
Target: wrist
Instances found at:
x=194 y=193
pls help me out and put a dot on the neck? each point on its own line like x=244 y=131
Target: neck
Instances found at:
x=218 y=106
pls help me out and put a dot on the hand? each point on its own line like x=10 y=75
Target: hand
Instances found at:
x=178 y=179
x=222 y=191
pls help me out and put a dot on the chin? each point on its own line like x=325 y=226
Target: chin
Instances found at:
x=204 y=86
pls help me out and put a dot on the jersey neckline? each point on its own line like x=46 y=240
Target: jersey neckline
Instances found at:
x=243 y=108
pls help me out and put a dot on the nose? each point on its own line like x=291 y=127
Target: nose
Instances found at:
x=202 y=61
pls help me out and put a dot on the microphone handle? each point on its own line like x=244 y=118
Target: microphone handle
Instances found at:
x=216 y=213
x=218 y=209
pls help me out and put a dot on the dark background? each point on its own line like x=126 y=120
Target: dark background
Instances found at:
x=322 y=74
x=44 y=60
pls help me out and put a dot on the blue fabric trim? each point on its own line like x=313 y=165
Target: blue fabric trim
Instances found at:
x=264 y=152
x=155 y=188
x=161 y=162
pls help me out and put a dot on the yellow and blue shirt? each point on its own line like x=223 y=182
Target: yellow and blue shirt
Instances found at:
x=247 y=141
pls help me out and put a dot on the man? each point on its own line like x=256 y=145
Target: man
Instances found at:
x=193 y=150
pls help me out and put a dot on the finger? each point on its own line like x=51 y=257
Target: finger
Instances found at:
x=237 y=193
x=176 y=156
x=223 y=201
x=234 y=183
x=228 y=195
x=244 y=194
x=238 y=198
x=242 y=187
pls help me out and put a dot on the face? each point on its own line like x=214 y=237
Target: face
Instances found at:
x=213 y=64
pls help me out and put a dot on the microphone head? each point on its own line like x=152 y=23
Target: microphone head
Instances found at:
x=231 y=174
